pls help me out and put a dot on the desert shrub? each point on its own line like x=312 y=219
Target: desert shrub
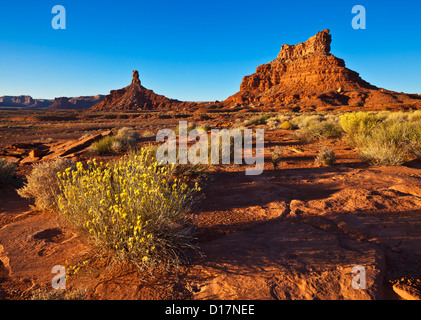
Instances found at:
x=7 y=171
x=133 y=208
x=43 y=184
x=276 y=156
x=286 y=125
x=305 y=120
x=319 y=130
x=148 y=134
x=204 y=127
x=325 y=157
x=189 y=172
x=390 y=143
x=124 y=140
x=414 y=116
x=273 y=122
x=359 y=122
x=104 y=145
x=257 y=120
x=127 y=137
x=384 y=154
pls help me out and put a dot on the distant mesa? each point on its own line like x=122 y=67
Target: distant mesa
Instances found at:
x=135 y=97
x=83 y=102
x=27 y=102
x=308 y=76
x=24 y=102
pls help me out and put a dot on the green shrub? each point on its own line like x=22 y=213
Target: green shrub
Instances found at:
x=43 y=185
x=326 y=157
x=359 y=122
x=134 y=208
x=7 y=171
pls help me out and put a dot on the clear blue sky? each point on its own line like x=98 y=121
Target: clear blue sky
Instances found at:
x=194 y=50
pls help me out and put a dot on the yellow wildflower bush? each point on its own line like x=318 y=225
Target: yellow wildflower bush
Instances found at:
x=134 y=207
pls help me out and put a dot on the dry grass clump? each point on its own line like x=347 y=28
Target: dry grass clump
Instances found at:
x=7 y=171
x=124 y=140
x=319 y=130
x=134 y=208
x=325 y=158
x=384 y=138
x=256 y=120
x=43 y=184
x=59 y=294
x=391 y=143
x=276 y=156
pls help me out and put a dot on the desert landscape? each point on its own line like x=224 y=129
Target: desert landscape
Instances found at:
x=341 y=188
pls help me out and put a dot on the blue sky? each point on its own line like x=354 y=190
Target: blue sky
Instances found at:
x=194 y=50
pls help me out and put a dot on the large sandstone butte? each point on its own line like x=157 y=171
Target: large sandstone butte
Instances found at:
x=308 y=76
x=135 y=97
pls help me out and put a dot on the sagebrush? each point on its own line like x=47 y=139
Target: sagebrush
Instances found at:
x=43 y=184
x=134 y=208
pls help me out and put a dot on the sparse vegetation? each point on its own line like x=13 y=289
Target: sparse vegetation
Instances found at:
x=319 y=130
x=103 y=145
x=125 y=140
x=7 y=171
x=390 y=143
x=384 y=138
x=43 y=184
x=134 y=208
x=257 y=120
x=68 y=294
x=276 y=156
x=326 y=157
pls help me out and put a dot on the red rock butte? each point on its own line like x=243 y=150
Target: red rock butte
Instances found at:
x=136 y=97
x=309 y=76
x=303 y=77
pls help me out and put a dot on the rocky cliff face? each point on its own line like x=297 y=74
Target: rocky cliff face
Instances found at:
x=16 y=101
x=308 y=75
x=136 y=97
x=83 y=102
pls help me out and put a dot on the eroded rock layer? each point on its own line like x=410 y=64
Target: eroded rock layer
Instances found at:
x=308 y=75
